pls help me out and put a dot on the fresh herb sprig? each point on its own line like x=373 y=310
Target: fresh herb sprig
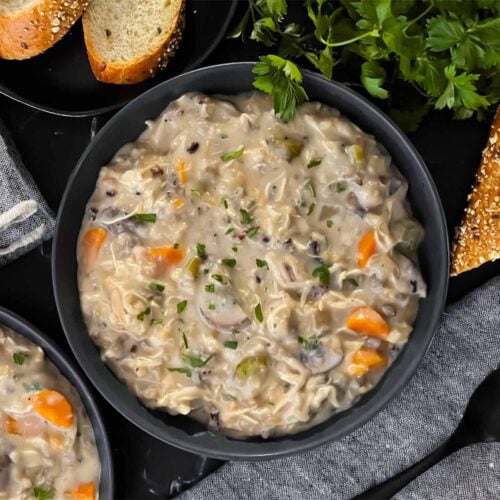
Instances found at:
x=436 y=53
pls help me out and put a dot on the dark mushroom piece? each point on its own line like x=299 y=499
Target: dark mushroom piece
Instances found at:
x=321 y=354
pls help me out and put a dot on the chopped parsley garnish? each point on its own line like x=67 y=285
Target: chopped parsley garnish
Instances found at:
x=252 y=232
x=311 y=208
x=258 y=313
x=329 y=223
x=185 y=340
x=224 y=202
x=229 y=262
x=197 y=192
x=143 y=218
x=210 y=288
x=186 y=371
x=231 y=344
x=232 y=155
x=19 y=358
x=309 y=343
x=143 y=314
x=157 y=322
x=211 y=307
x=219 y=278
x=33 y=387
x=229 y=230
x=41 y=494
x=194 y=361
x=314 y=163
x=156 y=287
x=176 y=245
x=352 y=281
x=261 y=263
x=181 y=306
x=200 y=250
x=311 y=188
x=323 y=274
x=341 y=187
x=234 y=249
x=245 y=216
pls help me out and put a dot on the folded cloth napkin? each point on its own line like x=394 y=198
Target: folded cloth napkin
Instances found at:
x=25 y=218
x=465 y=350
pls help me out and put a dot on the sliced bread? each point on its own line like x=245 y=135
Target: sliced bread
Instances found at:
x=477 y=239
x=29 y=27
x=128 y=40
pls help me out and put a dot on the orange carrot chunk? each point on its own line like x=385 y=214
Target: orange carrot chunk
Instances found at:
x=84 y=491
x=182 y=172
x=92 y=242
x=370 y=358
x=366 y=248
x=365 y=359
x=11 y=425
x=166 y=256
x=367 y=320
x=53 y=407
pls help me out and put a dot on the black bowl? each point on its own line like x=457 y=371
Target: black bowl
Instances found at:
x=60 y=360
x=182 y=431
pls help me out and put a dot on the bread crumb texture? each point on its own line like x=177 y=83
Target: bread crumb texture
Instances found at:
x=29 y=27
x=477 y=239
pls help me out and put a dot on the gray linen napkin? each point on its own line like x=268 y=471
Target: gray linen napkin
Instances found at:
x=465 y=350
x=25 y=218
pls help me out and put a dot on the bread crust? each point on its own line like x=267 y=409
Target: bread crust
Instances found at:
x=477 y=239
x=32 y=31
x=142 y=68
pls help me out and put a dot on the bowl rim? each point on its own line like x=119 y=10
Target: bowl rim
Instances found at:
x=61 y=361
x=263 y=452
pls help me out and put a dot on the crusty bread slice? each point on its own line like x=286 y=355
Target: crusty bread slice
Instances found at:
x=477 y=239
x=129 y=40
x=29 y=27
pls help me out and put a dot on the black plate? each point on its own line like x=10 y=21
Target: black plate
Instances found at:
x=60 y=80
x=181 y=431
x=55 y=354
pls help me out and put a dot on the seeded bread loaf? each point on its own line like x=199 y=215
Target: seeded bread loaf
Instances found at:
x=128 y=41
x=29 y=27
x=477 y=239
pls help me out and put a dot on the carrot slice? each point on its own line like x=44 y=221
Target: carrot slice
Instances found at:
x=178 y=202
x=367 y=320
x=366 y=248
x=84 y=491
x=369 y=358
x=166 y=256
x=92 y=242
x=11 y=425
x=365 y=359
x=53 y=407
x=182 y=172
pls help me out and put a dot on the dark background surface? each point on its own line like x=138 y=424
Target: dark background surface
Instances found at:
x=50 y=147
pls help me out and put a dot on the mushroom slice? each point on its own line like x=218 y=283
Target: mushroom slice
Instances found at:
x=220 y=310
x=321 y=354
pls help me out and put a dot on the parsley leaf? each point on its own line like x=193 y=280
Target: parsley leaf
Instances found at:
x=373 y=77
x=181 y=306
x=232 y=155
x=19 y=358
x=231 y=344
x=323 y=274
x=258 y=313
x=229 y=262
x=41 y=494
x=281 y=79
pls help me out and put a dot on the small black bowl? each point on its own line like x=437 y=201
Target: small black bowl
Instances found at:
x=182 y=431
x=60 y=360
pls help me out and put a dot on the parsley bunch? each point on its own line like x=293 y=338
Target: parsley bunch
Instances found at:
x=431 y=53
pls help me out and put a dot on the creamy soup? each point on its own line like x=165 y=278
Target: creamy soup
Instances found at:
x=255 y=275
x=47 y=448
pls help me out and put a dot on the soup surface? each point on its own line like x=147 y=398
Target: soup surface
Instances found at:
x=255 y=275
x=47 y=447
